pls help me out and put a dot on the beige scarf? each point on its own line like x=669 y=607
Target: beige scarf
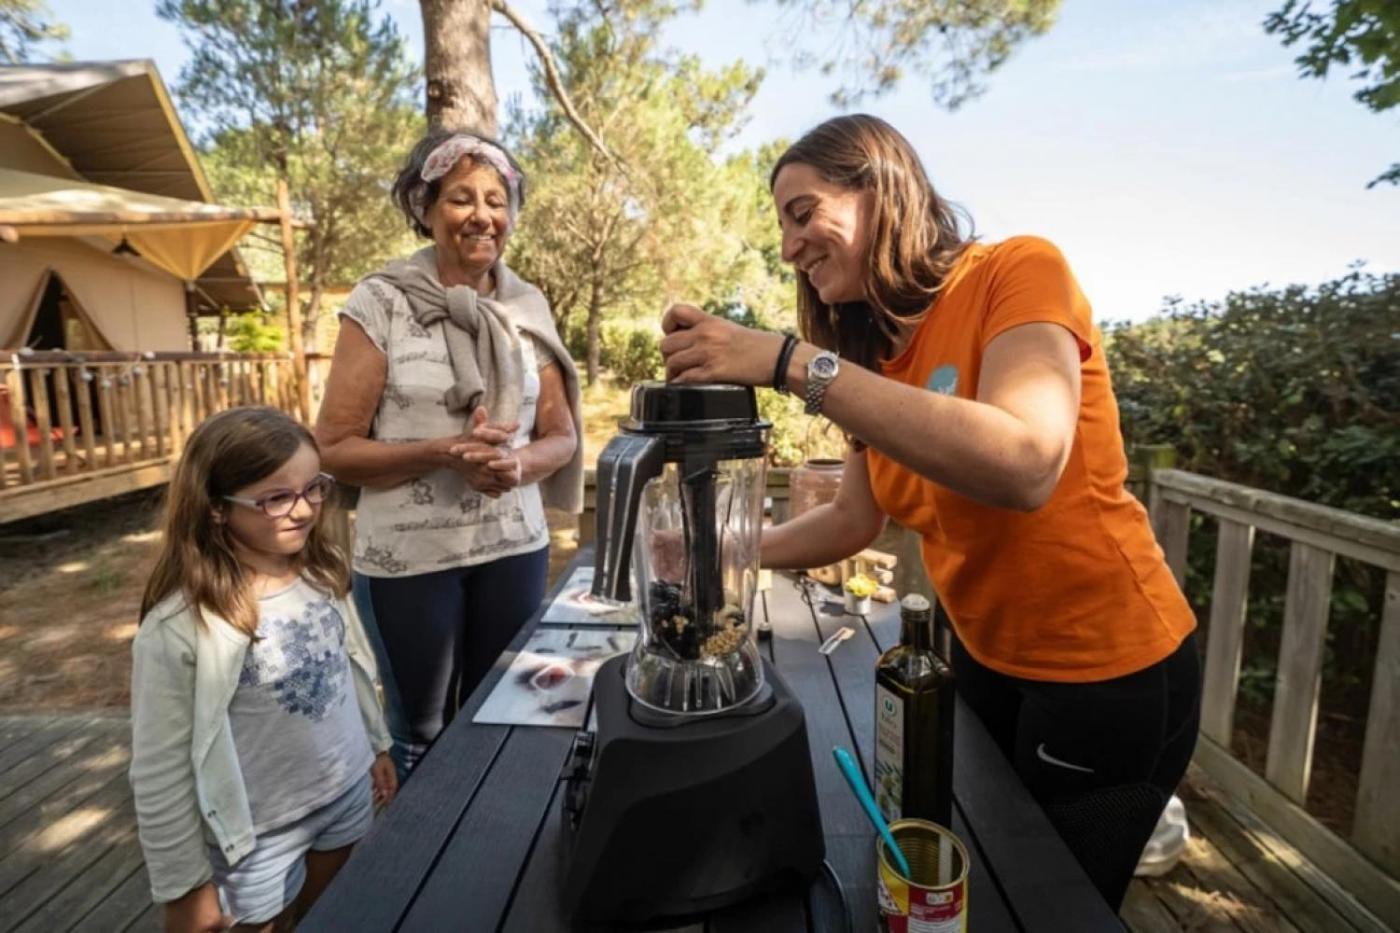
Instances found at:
x=483 y=347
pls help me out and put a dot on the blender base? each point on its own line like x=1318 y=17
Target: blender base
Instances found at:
x=680 y=817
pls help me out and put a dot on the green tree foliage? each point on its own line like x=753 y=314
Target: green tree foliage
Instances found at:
x=607 y=242
x=950 y=43
x=1356 y=34
x=315 y=92
x=253 y=333
x=1296 y=391
x=26 y=25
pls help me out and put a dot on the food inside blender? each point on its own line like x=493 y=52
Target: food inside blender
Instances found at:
x=675 y=624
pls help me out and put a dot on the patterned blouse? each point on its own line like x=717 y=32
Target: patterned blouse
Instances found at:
x=437 y=521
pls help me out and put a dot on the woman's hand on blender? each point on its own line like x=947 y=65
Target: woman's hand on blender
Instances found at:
x=702 y=348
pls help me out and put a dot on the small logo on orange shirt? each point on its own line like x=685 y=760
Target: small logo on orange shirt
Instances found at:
x=944 y=380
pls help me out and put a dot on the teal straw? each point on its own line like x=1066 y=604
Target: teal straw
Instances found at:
x=857 y=781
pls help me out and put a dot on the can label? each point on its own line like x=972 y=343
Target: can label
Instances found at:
x=889 y=753
x=909 y=907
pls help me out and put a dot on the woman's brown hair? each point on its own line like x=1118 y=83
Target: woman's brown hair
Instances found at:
x=915 y=239
x=228 y=452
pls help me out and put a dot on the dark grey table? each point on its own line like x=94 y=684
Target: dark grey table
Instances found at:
x=475 y=840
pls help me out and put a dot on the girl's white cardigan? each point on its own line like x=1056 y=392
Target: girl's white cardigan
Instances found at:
x=184 y=770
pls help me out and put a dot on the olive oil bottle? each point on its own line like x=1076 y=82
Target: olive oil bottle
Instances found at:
x=914 y=722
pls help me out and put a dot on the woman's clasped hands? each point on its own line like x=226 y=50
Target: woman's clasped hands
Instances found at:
x=484 y=456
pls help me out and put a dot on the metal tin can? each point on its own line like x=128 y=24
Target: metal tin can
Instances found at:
x=933 y=899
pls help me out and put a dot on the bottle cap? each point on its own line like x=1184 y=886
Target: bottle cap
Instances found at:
x=914 y=602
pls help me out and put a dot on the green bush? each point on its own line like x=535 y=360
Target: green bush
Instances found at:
x=797 y=436
x=631 y=353
x=1296 y=391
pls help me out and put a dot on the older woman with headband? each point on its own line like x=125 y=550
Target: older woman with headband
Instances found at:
x=454 y=406
x=974 y=382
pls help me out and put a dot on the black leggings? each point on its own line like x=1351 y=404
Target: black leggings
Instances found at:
x=1102 y=758
x=443 y=631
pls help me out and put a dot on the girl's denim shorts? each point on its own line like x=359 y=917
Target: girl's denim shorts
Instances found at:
x=269 y=878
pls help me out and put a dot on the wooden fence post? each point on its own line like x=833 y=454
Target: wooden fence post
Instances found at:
x=1225 y=637
x=1294 y=724
x=1142 y=460
x=1377 y=822
x=294 y=338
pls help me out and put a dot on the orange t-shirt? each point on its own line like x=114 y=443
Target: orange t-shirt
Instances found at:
x=1077 y=590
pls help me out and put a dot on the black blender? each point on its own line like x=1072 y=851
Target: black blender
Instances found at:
x=696 y=789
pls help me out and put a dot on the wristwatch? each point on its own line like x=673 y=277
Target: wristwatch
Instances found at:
x=821 y=370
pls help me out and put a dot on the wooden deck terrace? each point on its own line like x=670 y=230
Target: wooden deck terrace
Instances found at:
x=78 y=428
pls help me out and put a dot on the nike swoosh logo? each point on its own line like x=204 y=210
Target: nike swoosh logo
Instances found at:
x=1045 y=756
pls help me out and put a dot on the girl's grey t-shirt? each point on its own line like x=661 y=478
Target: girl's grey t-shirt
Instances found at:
x=437 y=521
x=296 y=723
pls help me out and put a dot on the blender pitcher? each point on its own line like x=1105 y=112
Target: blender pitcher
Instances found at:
x=680 y=508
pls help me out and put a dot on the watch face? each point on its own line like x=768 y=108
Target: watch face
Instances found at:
x=824 y=366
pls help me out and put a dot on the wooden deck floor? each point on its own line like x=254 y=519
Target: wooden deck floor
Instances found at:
x=69 y=857
x=1237 y=875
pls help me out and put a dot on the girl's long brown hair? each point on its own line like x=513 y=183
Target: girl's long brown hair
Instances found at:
x=915 y=242
x=226 y=453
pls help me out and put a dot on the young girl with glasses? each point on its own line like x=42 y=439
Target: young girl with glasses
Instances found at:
x=258 y=743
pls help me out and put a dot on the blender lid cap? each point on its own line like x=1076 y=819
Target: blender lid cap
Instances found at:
x=662 y=406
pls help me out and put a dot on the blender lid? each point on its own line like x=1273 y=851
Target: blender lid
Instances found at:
x=721 y=419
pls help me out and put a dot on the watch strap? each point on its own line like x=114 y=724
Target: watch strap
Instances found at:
x=817 y=383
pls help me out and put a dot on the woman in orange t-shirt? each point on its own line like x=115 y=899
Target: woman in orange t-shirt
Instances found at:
x=975 y=382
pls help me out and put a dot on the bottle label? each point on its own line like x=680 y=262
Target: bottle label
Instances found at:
x=889 y=753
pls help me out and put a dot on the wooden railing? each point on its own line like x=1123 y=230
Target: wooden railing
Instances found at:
x=79 y=427
x=1368 y=864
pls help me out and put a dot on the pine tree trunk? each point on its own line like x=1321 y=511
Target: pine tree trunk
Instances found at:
x=595 y=319
x=457 y=63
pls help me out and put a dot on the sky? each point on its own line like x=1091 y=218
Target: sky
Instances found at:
x=1166 y=148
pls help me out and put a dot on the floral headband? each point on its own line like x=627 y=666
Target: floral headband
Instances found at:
x=451 y=151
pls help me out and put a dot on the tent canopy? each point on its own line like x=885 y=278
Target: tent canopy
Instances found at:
x=114 y=124
x=181 y=237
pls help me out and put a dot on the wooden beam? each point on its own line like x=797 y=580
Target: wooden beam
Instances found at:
x=160 y=409
x=1373 y=532
x=1377 y=824
x=14 y=382
x=1386 y=558
x=60 y=218
x=289 y=257
x=39 y=393
x=1225 y=638
x=86 y=425
x=1294 y=725
x=1174 y=532
x=27 y=501
x=139 y=392
x=63 y=401
x=102 y=381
